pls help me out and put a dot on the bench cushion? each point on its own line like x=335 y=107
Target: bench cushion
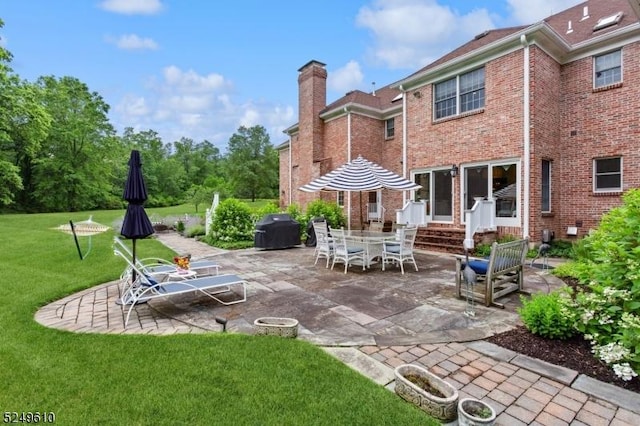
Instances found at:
x=479 y=266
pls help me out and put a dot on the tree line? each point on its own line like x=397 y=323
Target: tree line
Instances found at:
x=59 y=152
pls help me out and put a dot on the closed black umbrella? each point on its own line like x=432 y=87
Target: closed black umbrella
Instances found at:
x=136 y=223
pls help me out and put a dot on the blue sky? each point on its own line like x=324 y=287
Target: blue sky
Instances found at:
x=201 y=68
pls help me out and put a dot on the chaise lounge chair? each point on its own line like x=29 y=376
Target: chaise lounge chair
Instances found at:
x=161 y=268
x=145 y=288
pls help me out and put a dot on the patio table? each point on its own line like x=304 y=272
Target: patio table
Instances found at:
x=371 y=241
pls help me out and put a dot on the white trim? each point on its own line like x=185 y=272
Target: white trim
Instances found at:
x=526 y=124
x=593 y=69
x=593 y=171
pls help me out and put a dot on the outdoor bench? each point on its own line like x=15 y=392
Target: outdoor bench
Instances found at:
x=498 y=275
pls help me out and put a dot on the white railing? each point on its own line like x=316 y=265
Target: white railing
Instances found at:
x=210 y=212
x=413 y=213
x=479 y=218
x=375 y=212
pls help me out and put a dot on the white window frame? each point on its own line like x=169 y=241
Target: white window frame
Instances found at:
x=340 y=198
x=597 y=85
x=389 y=133
x=458 y=95
x=596 y=174
x=499 y=221
x=547 y=175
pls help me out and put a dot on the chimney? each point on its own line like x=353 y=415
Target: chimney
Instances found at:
x=312 y=98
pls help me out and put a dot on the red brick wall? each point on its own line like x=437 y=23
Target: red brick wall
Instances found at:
x=495 y=133
x=606 y=123
x=545 y=113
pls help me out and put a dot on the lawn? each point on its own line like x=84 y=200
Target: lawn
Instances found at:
x=133 y=379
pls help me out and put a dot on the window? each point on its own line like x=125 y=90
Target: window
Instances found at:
x=390 y=128
x=607 y=174
x=607 y=69
x=545 y=202
x=460 y=94
x=340 y=199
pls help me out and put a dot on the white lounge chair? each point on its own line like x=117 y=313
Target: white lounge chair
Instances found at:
x=145 y=288
x=402 y=250
x=161 y=268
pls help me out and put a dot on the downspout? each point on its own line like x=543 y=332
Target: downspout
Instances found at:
x=346 y=110
x=290 y=170
x=527 y=138
x=404 y=141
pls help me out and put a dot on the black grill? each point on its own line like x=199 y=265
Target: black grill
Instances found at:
x=276 y=231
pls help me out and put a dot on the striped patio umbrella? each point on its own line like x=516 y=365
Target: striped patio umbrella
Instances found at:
x=359 y=175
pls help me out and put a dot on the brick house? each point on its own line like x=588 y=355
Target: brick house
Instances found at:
x=541 y=121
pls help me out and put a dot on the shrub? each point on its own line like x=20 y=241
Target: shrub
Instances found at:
x=331 y=211
x=194 y=231
x=608 y=262
x=269 y=208
x=232 y=223
x=548 y=315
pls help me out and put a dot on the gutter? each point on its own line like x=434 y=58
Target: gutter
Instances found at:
x=404 y=141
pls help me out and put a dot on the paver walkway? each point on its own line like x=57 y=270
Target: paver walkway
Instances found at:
x=372 y=321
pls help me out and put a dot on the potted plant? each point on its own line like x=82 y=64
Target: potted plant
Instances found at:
x=274 y=326
x=427 y=391
x=473 y=412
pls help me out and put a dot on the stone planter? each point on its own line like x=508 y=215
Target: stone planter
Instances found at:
x=468 y=413
x=273 y=326
x=441 y=408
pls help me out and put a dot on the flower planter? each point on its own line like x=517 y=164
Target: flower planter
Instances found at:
x=442 y=408
x=469 y=413
x=273 y=326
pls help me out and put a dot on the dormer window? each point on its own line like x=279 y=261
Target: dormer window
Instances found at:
x=607 y=69
x=608 y=21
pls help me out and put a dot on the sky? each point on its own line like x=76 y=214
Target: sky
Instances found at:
x=200 y=69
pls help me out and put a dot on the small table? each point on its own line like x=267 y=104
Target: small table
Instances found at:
x=184 y=274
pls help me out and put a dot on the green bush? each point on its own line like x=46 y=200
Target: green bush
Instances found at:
x=608 y=262
x=548 y=315
x=194 y=231
x=331 y=211
x=231 y=224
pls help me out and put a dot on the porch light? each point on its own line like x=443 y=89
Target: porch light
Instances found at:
x=454 y=170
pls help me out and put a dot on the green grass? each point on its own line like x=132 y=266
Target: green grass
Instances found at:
x=135 y=379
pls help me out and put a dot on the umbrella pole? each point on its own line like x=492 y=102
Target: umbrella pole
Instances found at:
x=361 y=215
x=133 y=262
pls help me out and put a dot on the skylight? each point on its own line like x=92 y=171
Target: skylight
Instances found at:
x=608 y=21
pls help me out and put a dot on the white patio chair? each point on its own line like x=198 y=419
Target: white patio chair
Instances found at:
x=401 y=251
x=346 y=251
x=324 y=243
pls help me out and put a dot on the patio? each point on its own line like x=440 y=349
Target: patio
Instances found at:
x=358 y=308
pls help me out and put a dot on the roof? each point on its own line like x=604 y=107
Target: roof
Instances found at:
x=579 y=20
x=381 y=99
x=583 y=26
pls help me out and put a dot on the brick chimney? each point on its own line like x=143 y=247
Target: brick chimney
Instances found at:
x=312 y=98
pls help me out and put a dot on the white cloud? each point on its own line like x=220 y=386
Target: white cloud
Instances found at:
x=409 y=34
x=134 y=106
x=182 y=103
x=191 y=80
x=132 y=7
x=133 y=42
x=532 y=11
x=3 y=41
x=346 y=78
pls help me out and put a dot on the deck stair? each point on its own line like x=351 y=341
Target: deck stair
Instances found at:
x=447 y=239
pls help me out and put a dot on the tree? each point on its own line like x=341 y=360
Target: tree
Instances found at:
x=23 y=125
x=252 y=163
x=74 y=169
